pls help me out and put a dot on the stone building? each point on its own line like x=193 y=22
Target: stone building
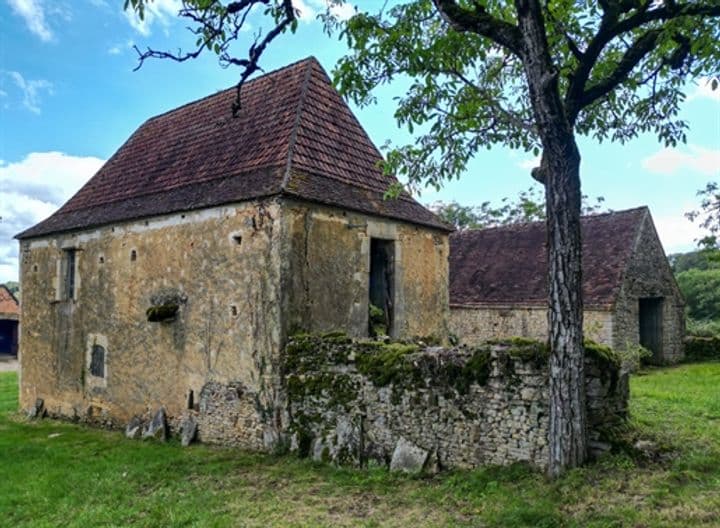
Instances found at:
x=9 y=321
x=498 y=284
x=206 y=240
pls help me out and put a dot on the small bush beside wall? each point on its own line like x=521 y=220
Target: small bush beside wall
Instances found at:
x=702 y=348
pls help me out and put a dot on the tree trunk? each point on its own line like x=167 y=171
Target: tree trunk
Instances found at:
x=567 y=435
x=560 y=172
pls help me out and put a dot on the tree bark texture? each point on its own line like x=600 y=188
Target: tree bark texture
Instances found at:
x=560 y=169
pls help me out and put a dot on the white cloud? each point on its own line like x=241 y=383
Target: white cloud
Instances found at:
x=694 y=158
x=33 y=12
x=529 y=164
x=160 y=11
x=114 y=50
x=31 y=190
x=341 y=10
x=31 y=90
x=677 y=233
x=704 y=90
x=305 y=12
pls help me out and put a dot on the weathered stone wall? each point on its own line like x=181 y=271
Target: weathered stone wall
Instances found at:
x=649 y=275
x=462 y=407
x=230 y=414
x=220 y=267
x=327 y=265
x=475 y=325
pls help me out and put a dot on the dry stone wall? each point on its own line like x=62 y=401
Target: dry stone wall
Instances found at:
x=409 y=406
x=416 y=407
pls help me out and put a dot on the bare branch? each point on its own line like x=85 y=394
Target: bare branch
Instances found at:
x=217 y=27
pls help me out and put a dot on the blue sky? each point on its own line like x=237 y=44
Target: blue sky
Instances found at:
x=69 y=99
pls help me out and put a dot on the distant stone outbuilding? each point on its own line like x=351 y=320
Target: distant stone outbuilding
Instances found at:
x=498 y=284
x=9 y=321
x=181 y=268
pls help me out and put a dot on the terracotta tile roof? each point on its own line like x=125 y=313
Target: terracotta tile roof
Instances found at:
x=8 y=302
x=508 y=265
x=294 y=136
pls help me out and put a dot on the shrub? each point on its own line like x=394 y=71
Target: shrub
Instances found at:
x=702 y=348
x=703 y=328
x=634 y=356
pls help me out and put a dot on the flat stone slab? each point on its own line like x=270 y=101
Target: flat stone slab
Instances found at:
x=188 y=431
x=408 y=458
x=134 y=428
x=157 y=428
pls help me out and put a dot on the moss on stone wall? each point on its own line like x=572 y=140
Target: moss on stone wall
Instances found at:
x=313 y=366
x=476 y=370
x=603 y=354
x=307 y=352
x=386 y=364
x=524 y=349
x=349 y=401
x=337 y=388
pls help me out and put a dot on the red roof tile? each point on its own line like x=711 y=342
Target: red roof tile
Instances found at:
x=8 y=302
x=294 y=135
x=508 y=265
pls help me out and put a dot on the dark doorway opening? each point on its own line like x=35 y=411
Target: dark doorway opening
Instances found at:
x=8 y=336
x=382 y=285
x=650 y=315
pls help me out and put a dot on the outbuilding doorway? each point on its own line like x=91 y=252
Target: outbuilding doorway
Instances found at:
x=382 y=285
x=8 y=337
x=650 y=322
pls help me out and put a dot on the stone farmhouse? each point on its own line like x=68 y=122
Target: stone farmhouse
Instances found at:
x=206 y=240
x=498 y=284
x=219 y=277
x=9 y=321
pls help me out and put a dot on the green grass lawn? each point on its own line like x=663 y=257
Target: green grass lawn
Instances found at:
x=57 y=474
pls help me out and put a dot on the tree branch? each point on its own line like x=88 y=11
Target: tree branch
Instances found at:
x=480 y=22
x=217 y=27
x=632 y=57
x=257 y=49
x=611 y=27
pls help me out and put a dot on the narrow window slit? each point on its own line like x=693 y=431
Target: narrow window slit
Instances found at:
x=97 y=361
x=69 y=264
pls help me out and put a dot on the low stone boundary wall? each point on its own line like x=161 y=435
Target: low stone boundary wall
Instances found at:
x=414 y=407
x=405 y=405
